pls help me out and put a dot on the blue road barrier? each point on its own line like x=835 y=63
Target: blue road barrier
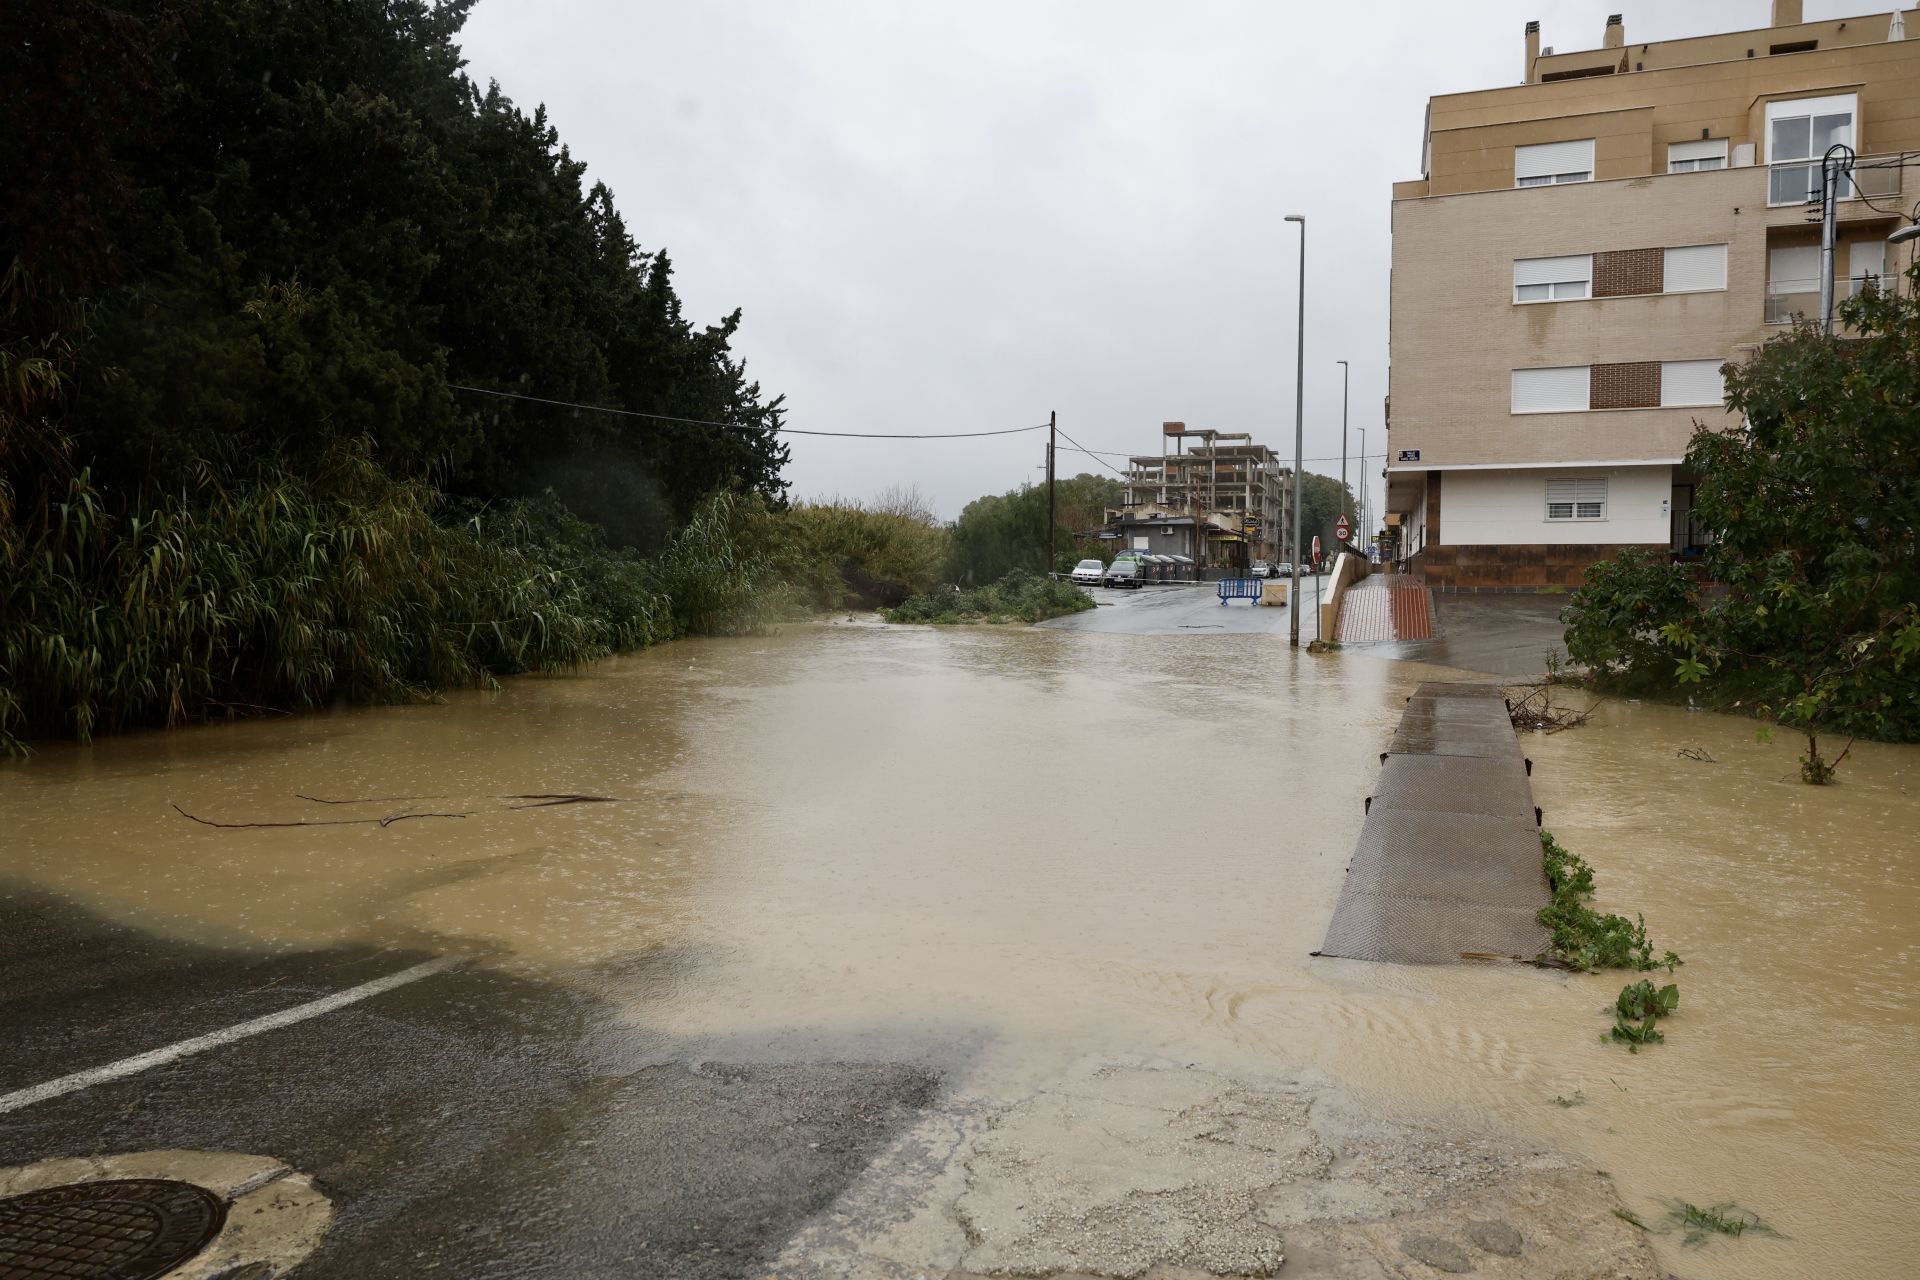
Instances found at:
x=1240 y=589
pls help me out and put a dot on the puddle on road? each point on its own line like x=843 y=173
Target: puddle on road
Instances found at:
x=1068 y=844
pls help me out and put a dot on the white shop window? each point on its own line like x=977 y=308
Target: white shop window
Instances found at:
x=1798 y=135
x=1548 y=163
x=1691 y=382
x=1582 y=498
x=1552 y=279
x=1695 y=268
x=1691 y=157
x=1567 y=389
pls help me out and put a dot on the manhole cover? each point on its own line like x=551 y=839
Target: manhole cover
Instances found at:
x=123 y=1229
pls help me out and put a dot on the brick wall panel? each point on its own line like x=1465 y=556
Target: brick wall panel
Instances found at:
x=1634 y=385
x=1626 y=272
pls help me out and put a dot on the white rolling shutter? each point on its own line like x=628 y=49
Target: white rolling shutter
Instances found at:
x=1866 y=258
x=1691 y=382
x=1562 y=390
x=1702 y=149
x=1581 y=498
x=1550 y=158
x=1794 y=268
x=1552 y=270
x=1696 y=268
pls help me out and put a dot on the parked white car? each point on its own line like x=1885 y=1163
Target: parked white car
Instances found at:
x=1090 y=573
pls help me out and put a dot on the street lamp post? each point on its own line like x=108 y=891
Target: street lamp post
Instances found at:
x=1299 y=428
x=1363 y=493
x=1344 y=371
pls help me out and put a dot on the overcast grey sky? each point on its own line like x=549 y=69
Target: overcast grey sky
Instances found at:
x=953 y=216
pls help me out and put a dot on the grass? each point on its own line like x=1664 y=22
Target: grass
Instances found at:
x=1698 y=1224
x=267 y=588
x=1018 y=597
x=1629 y=1216
x=1577 y=1099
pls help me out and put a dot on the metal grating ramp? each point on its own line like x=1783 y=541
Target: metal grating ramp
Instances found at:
x=1448 y=859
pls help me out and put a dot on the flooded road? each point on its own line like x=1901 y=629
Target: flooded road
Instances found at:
x=1000 y=852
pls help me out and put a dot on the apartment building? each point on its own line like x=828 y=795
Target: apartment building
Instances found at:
x=1587 y=248
x=1233 y=490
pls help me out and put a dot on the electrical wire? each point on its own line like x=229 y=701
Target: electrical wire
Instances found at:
x=740 y=426
x=1090 y=453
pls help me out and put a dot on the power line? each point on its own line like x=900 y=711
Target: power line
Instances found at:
x=1095 y=456
x=739 y=426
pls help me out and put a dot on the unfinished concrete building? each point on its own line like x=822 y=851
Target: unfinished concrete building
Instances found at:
x=1234 y=490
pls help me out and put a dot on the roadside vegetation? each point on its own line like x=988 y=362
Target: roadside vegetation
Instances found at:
x=1018 y=597
x=1812 y=618
x=999 y=533
x=257 y=258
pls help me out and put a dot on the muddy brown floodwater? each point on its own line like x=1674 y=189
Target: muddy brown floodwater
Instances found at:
x=1061 y=845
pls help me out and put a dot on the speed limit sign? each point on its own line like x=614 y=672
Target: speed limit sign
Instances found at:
x=1342 y=530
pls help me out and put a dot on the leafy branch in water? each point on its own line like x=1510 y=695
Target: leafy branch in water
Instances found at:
x=1636 y=1011
x=1585 y=939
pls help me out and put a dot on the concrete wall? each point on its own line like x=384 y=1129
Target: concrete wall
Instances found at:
x=1494 y=507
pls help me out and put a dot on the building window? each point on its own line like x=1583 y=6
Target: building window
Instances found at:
x=1561 y=390
x=1692 y=157
x=1553 y=162
x=1577 y=499
x=1691 y=382
x=1552 y=279
x=1695 y=268
x=1798 y=135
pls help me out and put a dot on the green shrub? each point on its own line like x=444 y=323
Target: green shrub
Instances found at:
x=269 y=589
x=1614 y=622
x=1018 y=597
x=839 y=554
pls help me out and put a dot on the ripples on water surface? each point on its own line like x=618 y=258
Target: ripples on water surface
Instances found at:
x=1043 y=844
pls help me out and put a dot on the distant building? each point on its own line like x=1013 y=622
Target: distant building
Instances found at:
x=1587 y=248
x=1235 y=494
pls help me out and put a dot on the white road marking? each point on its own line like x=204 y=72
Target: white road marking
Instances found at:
x=214 y=1039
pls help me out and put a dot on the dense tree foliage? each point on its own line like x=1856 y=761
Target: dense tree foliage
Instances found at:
x=253 y=250
x=1814 y=502
x=1322 y=500
x=1003 y=532
x=293 y=223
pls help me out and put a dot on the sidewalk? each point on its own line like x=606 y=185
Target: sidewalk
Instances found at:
x=1385 y=607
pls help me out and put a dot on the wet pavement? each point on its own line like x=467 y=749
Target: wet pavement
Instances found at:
x=1186 y=609
x=862 y=897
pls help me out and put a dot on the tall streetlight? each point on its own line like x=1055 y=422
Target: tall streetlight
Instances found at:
x=1299 y=427
x=1344 y=371
x=1363 y=494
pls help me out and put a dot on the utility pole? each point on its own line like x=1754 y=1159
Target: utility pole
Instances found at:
x=1833 y=166
x=1052 y=425
x=1343 y=431
x=1299 y=428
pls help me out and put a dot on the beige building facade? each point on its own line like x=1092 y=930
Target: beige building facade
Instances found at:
x=1586 y=250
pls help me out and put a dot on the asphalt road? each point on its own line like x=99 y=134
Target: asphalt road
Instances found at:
x=1185 y=609
x=466 y=1124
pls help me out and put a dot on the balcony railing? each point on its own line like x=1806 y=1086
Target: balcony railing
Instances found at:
x=1785 y=308
x=1803 y=301
x=1798 y=182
